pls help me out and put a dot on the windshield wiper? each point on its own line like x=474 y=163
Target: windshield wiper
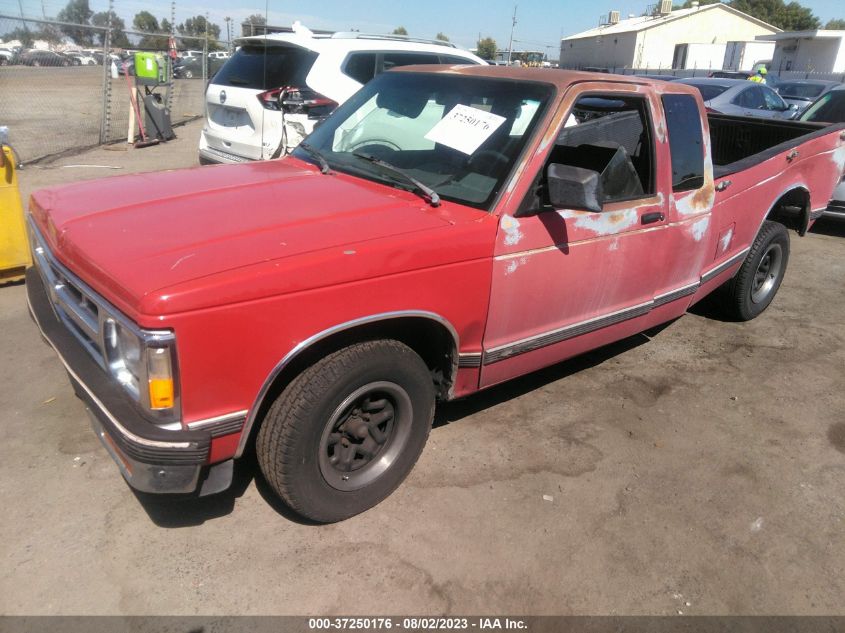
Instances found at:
x=429 y=193
x=316 y=155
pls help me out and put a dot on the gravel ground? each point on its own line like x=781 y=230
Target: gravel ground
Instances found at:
x=698 y=469
x=50 y=111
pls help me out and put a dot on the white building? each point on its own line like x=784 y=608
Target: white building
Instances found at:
x=664 y=39
x=744 y=55
x=808 y=51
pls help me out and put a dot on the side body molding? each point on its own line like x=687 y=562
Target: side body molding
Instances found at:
x=304 y=345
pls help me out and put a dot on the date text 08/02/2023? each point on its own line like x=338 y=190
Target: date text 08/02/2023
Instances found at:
x=416 y=623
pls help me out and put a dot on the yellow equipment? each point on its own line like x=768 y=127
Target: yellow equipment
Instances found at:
x=14 y=246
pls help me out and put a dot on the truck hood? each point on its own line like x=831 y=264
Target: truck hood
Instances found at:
x=133 y=237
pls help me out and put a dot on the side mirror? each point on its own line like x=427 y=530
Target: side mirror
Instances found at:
x=575 y=188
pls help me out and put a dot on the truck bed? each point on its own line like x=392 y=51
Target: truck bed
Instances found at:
x=738 y=143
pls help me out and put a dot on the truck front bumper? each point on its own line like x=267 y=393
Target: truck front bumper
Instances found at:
x=150 y=458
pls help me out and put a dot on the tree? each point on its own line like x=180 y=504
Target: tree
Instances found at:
x=789 y=17
x=118 y=37
x=21 y=34
x=400 y=30
x=146 y=22
x=835 y=25
x=486 y=48
x=77 y=12
x=442 y=37
x=198 y=27
x=248 y=25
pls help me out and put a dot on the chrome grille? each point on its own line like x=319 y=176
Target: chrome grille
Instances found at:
x=95 y=322
x=73 y=302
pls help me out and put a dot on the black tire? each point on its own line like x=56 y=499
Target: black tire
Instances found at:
x=758 y=279
x=319 y=419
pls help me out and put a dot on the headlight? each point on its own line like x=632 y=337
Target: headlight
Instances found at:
x=143 y=363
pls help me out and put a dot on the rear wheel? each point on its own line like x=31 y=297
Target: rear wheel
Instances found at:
x=347 y=431
x=758 y=279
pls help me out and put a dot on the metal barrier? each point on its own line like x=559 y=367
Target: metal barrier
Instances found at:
x=14 y=247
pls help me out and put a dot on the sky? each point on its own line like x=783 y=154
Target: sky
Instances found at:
x=540 y=24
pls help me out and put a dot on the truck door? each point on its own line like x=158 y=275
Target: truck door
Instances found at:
x=566 y=280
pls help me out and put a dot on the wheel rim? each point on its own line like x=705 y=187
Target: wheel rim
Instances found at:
x=767 y=273
x=365 y=435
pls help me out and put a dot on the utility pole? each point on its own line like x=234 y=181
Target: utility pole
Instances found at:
x=510 y=43
x=228 y=33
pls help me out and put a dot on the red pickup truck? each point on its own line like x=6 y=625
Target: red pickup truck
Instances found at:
x=443 y=231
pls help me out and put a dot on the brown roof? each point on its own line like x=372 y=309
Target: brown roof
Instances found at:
x=555 y=76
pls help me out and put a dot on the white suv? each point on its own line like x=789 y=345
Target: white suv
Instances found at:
x=270 y=94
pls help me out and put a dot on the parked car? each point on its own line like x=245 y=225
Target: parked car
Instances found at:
x=37 y=57
x=830 y=108
x=253 y=114
x=730 y=74
x=80 y=59
x=443 y=231
x=772 y=80
x=802 y=92
x=191 y=67
x=7 y=57
x=740 y=98
x=219 y=55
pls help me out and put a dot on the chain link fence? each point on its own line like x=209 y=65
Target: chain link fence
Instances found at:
x=64 y=85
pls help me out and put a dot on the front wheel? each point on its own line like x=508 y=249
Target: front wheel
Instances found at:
x=347 y=431
x=758 y=279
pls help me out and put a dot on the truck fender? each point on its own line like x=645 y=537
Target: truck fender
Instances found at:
x=791 y=208
x=365 y=325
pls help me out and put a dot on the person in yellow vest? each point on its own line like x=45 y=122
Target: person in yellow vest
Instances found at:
x=760 y=76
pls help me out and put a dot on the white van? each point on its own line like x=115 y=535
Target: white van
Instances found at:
x=269 y=95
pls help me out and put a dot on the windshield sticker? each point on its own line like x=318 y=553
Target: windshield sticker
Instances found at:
x=465 y=128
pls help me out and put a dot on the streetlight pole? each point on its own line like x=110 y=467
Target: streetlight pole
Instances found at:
x=510 y=43
x=228 y=33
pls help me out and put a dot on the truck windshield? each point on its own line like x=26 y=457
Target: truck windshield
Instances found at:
x=459 y=136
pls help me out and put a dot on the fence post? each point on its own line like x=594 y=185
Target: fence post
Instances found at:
x=105 y=121
x=205 y=55
x=171 y=84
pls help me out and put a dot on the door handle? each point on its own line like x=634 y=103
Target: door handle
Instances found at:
x=648 y=218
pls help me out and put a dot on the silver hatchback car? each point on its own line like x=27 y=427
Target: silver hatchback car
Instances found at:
x=741 y=98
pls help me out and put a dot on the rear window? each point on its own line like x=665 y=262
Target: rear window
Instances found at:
x=392 y=60
x=264 y=68
x=710 y=91
x=454 y=59
x=685 y=141
x=800 y=91
x=361 y=67
x=829 y=109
